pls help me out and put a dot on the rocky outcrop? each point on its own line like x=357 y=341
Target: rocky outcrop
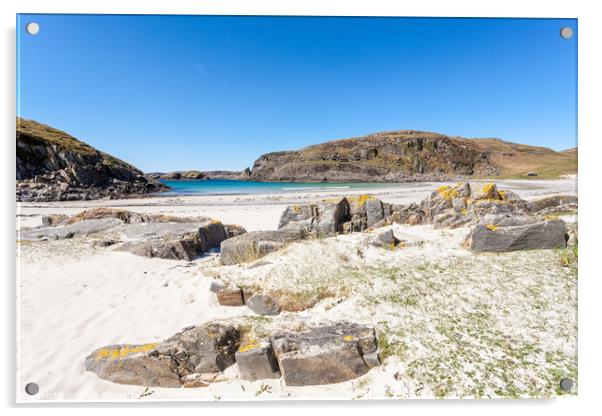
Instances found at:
x=407 y=155
x=149 y=235
x=325 y=354
x=176 y=241
x=183 y=175
x=54 y=166
x=382 y=157
x=195 y=350
x=208 y=174
x=463 y=204
x=228 y=174
x=256 y=244
x=336 y=215
x=539 y=235
x=197 y=355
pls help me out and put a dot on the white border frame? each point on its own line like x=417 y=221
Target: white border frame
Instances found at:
x=590 y=150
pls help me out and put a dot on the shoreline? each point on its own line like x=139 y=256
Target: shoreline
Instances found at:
x=261 y=211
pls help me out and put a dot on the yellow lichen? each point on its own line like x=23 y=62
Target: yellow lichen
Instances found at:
x=347 y=338
x=491 y=227
x=116 y=353
x=296 y=208
x=248 y=346
x=216 y=222
x=360 y=199
x=502 y=194
x=447 y=193
x=463 y=211
x=487 y=188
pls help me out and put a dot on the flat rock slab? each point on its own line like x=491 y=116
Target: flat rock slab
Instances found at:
x=150 y=230
x=542 y=235
x=81 y=228
x=176 y=241
x=256 y=244
x=133 y=364
x=256 y=361
x=326 y=354
x=263 y=304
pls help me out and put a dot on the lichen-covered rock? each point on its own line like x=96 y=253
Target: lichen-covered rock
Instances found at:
x=256 y=244
x=195 y=350
x=202 y=349
x=263 y=304
x=134 y=364
x=326 y=354
x=541 y=235
x=256 y=361
x=324 y=217
x=410 y=214
x=337 y=215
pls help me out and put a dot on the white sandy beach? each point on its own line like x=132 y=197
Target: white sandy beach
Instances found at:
x=74 y=297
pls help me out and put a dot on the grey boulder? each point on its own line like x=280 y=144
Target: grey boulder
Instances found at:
x=256 y=244
x=386 y=240
x=325 y=354
x=541 y=235
x=256 y=361
x=263 y=304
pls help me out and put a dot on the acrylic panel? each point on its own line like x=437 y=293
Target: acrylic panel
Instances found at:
x=253 y=207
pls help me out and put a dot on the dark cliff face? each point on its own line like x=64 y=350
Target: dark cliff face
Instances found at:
x=52 y=165
x=382 y=157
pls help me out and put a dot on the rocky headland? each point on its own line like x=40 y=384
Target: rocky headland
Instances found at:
x=54 y=166
x=408 y=155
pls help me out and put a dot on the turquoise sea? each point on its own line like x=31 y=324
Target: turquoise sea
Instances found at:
x=223 y=186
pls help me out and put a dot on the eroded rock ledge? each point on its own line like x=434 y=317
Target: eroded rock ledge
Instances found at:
x=321 y=354
x=161 y=236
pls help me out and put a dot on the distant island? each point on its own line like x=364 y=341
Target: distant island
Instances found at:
x=53 y=165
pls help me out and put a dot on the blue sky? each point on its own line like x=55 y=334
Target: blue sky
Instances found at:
x=199 y=92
